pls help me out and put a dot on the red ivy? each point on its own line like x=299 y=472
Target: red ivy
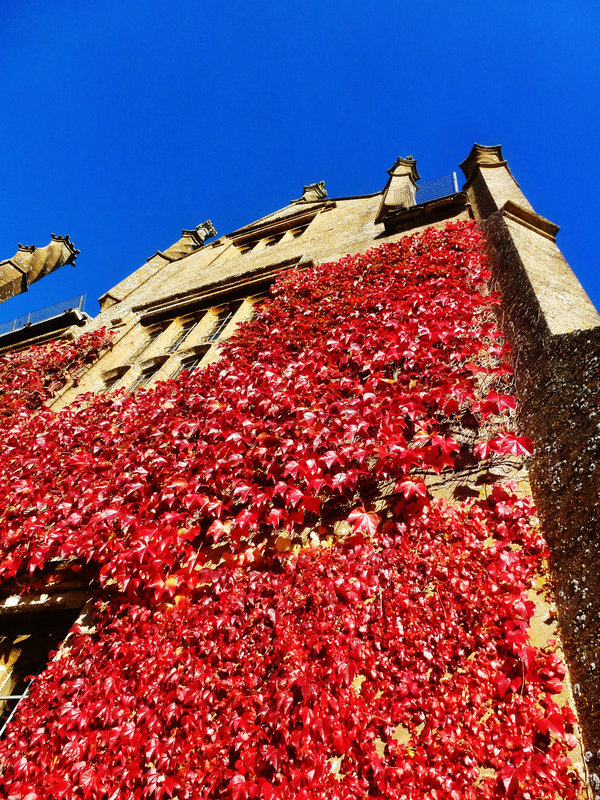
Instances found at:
x=394 y=664
x=30 y=377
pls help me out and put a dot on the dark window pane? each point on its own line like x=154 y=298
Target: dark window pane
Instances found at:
x=186 y=328
x=26 y=640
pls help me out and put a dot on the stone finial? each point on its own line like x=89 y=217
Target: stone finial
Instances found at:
x=313 y=193
x=482 y=154
x=36 y=262
x=188 y=243
x=31 y=263
x=489 y=181
x=405 y=166
x=206 y=230
x=401 y=187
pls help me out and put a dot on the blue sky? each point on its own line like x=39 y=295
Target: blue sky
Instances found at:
x=125 y=122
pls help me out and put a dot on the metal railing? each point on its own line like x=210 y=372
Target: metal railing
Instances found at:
x=76 y=303
x=435 y=188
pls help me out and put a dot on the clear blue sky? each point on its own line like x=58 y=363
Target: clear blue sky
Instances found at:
x=123 y=122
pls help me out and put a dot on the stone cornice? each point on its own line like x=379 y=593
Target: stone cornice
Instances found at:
x=181 y=303
x=295 y=220
x=160 y=254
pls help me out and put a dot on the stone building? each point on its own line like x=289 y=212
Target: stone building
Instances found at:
x=170 y=314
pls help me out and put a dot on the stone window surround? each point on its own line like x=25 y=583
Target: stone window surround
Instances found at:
x=46 y=617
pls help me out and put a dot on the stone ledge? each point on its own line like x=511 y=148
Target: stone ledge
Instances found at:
x=183 y=302
x=44 y=601
x=530 y=219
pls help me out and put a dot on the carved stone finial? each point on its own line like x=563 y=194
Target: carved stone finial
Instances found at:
x=489 y=182
x=482 y=154
x=313 y=193
x=66 y=240
x=405 y=166
x=401 y=187
x=31 y=263
x=189 y=242
x=206 y=230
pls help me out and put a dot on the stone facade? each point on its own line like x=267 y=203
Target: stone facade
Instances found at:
x=170 y=314
x=149 y=310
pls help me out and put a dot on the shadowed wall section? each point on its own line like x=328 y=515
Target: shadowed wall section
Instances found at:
x=555 y=334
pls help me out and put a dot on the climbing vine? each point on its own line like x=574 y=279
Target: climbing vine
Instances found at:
x=32 y=376
x=285 y=609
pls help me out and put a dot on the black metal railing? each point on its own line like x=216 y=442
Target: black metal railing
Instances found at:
x=76 y=303
x=435 y=188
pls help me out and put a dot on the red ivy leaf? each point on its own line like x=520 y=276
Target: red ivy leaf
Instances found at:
x=364 y=521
